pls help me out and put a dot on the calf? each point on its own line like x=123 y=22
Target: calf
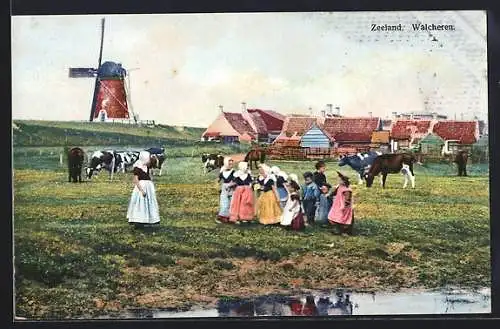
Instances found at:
x=108 y=160
x=391 y=164
x=75 y=164
x=211 y=161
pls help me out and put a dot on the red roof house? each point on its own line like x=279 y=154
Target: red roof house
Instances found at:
x=297 y=126
x=466 y=132
x=351 y=130
x=402 y=129
x=251 y=125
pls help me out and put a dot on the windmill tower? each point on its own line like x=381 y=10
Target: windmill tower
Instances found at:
x=111 y=99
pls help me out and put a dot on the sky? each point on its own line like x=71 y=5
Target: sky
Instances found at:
x=183 y=66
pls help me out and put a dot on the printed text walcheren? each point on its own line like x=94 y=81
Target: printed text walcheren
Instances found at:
x=433 y=27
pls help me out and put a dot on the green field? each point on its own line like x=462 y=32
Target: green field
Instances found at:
x=59 y=133
x=76 y=254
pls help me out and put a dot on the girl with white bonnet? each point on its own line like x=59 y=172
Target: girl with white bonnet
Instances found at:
x=292 y=207
x=281 y=179
x=227 y=186
x=242 y=202
x=268 y=206
x=143 y=206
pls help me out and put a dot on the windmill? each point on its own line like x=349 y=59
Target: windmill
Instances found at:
x=111 y=98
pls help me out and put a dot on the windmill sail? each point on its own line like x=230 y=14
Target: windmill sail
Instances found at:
x=97 y=82
x=82 y=72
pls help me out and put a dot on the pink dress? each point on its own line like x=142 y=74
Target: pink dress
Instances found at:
x=339 y=213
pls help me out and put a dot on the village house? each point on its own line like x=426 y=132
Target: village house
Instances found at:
x=352 y=132
x=457 y=134
x=250 y=125
x=407 y=134
x=294 y=128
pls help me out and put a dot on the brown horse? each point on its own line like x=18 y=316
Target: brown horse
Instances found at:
x=255 y=155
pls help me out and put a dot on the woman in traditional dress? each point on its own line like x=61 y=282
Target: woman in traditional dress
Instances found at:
x=242 y=203
x=281 y=180
x=341 y=214
x=268 y=206
x=292 y=207
x=226 y=191
x=143 y=206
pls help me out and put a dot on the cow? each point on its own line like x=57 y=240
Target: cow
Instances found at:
x=157 y=159
x=108 y=160
x=359 y=162
x=126 y=159
x=156 y=162
x=211 y=161
x=461 y=159
x=391 y=163
x=75 y=163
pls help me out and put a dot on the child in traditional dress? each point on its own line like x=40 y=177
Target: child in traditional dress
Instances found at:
x=319 y=175
x=325 y=204
x=310 y=197
x=143 y=206
x=268 y=206
x=341 y=215
x=227 y=187
x=242 y=202
x=292 y=207
x=281 y=179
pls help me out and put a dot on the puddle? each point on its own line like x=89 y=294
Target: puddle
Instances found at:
x=338 y=303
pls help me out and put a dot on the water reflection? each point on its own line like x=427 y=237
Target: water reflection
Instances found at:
x=309 y=305
x=335 y=303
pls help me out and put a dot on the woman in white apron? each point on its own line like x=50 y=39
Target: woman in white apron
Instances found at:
x=143 y=206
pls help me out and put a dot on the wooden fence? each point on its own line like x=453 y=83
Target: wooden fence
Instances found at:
x=306 y=153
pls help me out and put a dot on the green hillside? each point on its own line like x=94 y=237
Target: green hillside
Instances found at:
x=59 y=133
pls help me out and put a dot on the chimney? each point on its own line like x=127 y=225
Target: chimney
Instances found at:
x=323 y=114
x=434 y=115
x=243 y=106
x=337 y=109
x=221 y=108
x=330 y=108
x=310 y=111
x=394 y=116
x=462 y=116
x=370 y=114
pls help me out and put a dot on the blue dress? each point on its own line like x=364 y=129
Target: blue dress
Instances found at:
x=325 y=204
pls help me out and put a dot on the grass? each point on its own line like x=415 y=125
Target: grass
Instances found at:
x=76 y=254
x=58 y=133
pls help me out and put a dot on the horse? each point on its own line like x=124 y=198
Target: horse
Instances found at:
x=255 y=155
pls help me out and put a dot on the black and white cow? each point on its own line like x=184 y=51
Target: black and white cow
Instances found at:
x=211 y=161
x=126 y=159
x=157 y=159
x=103 y=159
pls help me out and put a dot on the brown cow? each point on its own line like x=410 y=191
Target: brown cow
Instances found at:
x=391 y=163
x=75 y=164
x=461 y=159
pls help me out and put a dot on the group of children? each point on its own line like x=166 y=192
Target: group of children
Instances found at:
x=277 y=198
